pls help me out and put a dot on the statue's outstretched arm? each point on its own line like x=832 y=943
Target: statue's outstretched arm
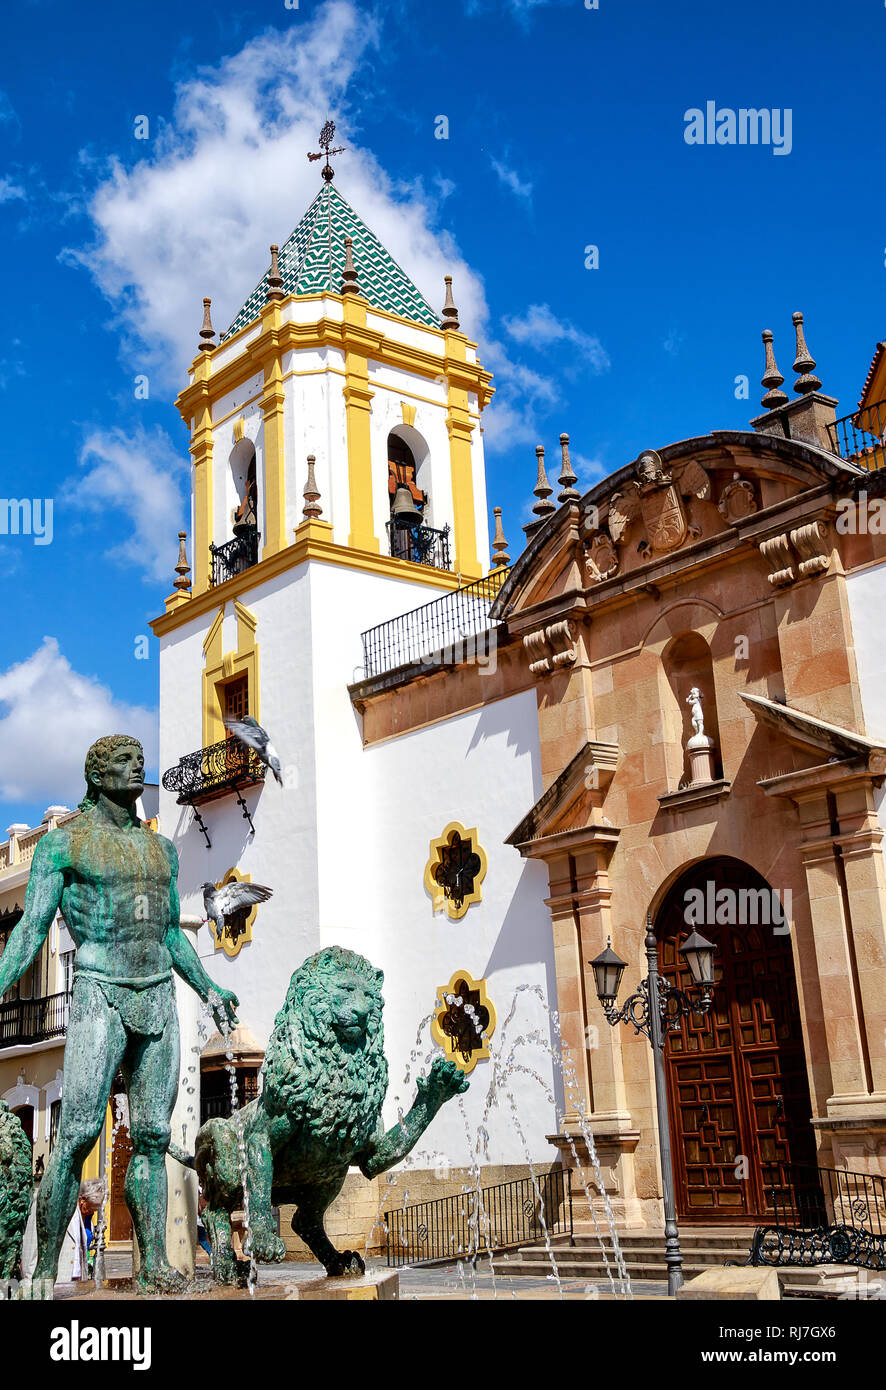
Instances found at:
x=185 y=960
x=444 y=1081
x=42 y=899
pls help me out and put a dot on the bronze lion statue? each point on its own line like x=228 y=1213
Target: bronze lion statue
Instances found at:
x=325 y=1077
x=15 y=1189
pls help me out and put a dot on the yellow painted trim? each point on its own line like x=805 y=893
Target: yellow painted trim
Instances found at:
x=232 y=948
x=345 y=335
x=358 y=399
x=408 y=412
x=439 y=901
x=201 y=452
x=272 y=404
x=239 y=427
x=221 y=666
x=308 y=545
x=461 y=428
x=478 y=1054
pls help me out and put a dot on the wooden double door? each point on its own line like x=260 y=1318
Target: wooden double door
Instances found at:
x=738 y=1092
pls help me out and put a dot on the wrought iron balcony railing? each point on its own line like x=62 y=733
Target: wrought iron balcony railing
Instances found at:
x=423 y=545
x=213 y=771
x=860 y=438
x=450 y=628
x=235 y=556
x=33 y=1020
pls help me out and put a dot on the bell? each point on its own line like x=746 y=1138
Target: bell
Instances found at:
x=404 y=512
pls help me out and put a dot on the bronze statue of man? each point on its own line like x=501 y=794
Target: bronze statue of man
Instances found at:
x=114 y=881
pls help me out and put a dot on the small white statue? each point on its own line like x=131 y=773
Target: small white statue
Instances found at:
x=693 y=699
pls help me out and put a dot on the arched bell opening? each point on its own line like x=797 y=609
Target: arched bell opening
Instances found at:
x=738 y=1090
x=242 y=464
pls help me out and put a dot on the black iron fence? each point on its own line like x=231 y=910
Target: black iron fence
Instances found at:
x=235 y=556
x=33 y=1020
x=824 y=1216
x=423 y=545
x=210 y=771
x=860 y=437
x=451 y=628
x=468 y=1223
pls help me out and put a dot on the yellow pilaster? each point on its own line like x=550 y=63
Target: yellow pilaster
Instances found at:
x=272 y=411
x=461 y=428
x=358 y=399
x=220 y=665
x=201 y=452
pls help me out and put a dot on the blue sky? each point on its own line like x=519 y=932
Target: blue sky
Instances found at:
x=566 y=129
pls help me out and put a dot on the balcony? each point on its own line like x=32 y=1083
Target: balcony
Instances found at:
x=25 y=1021
x=420 y=544
x=235 y=556
x=214 y=771
x=448 y=630
x=860 y=438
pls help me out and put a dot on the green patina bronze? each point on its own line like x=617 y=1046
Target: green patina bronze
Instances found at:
x=115 y=883
x=15 y=1189
x=325 y=1078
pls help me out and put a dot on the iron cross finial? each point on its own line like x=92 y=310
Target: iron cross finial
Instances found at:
x=327 y=135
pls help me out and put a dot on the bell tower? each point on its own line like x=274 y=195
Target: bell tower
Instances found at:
x=336 y=355
x=338 y=481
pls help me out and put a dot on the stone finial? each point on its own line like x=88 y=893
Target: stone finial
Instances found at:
x=312 y=509
x=349 y=282
x=182 y=569
x=500 y=554
x=804 y=362
x=772 y=377
x=207 y=332
x=450 y=313
x=275 y=279
x=567 y=479
x=542 y=489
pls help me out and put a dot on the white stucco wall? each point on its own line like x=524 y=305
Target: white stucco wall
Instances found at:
x=867 y=592
x=344 y=844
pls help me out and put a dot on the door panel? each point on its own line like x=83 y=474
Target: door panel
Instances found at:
x=737 y=1082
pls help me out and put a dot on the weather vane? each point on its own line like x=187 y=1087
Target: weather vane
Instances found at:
x=327 y=135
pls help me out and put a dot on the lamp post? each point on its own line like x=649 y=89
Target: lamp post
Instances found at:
x=655 y=1009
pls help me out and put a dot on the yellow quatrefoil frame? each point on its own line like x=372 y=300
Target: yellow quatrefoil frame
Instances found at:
x=478 y=1054
x=224 y=942
x=438 y=896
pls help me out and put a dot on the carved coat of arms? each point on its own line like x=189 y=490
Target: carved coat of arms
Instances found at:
x=655 y=497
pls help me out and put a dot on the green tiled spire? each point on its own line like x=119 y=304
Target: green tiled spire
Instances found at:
x=313 y=261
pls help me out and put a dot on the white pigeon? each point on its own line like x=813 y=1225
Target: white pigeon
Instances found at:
x=252 y=735
x=224 y=902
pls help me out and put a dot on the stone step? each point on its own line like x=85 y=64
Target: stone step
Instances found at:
x=652 y=1241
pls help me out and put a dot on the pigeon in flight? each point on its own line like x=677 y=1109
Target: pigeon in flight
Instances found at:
x=252 y=735
x=224 y=902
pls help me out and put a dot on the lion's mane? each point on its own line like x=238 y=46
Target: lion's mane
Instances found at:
x=336 y=1090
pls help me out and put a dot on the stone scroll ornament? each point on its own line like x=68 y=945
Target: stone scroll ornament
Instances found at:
x=319 y=1112
x=114 y=881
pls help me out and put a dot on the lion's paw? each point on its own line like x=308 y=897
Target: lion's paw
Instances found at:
x=345 y=1262
x=444 y=1081
x=266 y=1246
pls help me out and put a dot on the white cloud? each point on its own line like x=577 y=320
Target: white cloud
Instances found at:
x=135 y=477
x=228 y=174
x=511 y=179
x=10 y=191
x=539 y=326
x=49 y=716
x=7 y=111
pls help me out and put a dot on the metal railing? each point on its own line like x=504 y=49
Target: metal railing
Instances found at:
x=860 y=438
x=824 y=1216
x=461 y=1226
x=235 y=556
x=423 y=545
x=210 y=771
x=33 y=1020
x=443 y=630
